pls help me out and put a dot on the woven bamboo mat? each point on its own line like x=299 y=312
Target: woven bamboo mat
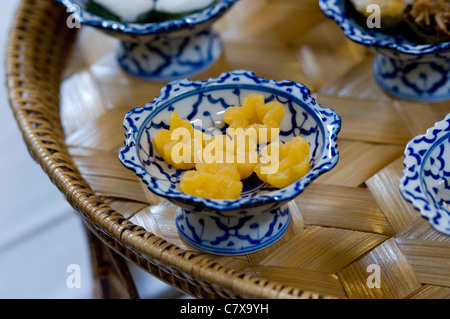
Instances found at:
x=349 y=224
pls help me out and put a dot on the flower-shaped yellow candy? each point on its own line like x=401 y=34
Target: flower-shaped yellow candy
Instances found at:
x=180 y=144
x=240 y=151
x=255 y=113
x=212 y=180
x=282 y=164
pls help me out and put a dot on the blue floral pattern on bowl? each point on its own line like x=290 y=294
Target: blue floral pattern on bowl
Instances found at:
x=426 y=177
x=261 y=215
x=405 y=69
x=165 y=50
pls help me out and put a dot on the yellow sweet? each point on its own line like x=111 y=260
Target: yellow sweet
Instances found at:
x=212 y=180
x=222 y=161
x=255 y=113
x=179 y=144
x=284 y=163
x=240 y=151
x=246 y=157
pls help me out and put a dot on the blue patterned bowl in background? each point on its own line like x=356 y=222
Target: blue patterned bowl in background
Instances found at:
x=405 y=69
x=261 y=215
x=161 y=51
x=426 y=176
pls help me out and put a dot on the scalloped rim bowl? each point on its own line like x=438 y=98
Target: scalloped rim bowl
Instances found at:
x=261 y=215
x=161 y=51
x=190 y=21
x=418 y=72
x=240 y=79
x=355 y=32
x=426 y=177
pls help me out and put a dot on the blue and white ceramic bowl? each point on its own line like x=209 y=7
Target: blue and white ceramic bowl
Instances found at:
x=426 y=177
x=261 y=215
x=161 y=51
x=419 y=72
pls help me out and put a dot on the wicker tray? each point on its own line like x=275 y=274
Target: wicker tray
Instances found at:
x=69 y=98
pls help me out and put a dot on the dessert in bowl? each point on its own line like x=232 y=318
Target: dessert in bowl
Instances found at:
x=157 y=45
x=426 y=176
x=409 y=63
x=260 y=215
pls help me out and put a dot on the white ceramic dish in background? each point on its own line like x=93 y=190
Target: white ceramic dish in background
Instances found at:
x=405 y=69
x=161 y=51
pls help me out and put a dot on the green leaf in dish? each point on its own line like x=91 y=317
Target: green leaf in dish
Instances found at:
x=101 y=11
